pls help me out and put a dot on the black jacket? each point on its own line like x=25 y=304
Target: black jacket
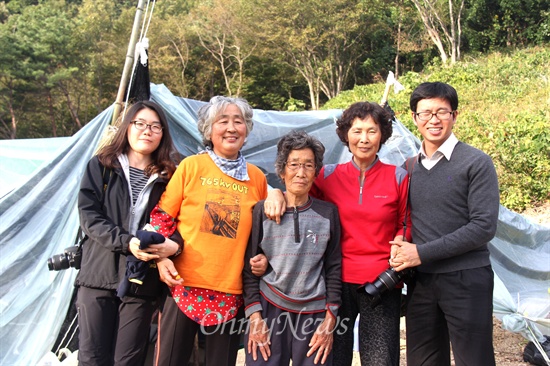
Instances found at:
x=106 y=226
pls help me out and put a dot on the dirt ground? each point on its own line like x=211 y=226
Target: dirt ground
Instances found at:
x=508 y=348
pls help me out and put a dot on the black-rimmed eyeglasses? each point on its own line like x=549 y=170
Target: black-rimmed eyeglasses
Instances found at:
x=441 y=115
x=155 y=128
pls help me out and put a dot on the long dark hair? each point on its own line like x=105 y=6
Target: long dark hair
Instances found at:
x=163 y=157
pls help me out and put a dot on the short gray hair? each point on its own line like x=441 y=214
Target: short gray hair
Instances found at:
x=298 y=140
x=207 y=115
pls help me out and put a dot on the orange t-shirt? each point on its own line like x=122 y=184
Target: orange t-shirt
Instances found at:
x=214 y=216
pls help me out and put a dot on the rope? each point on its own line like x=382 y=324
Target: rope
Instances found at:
x=537 y=344
x=142 y=36
x=66 y=333
x=150 y=16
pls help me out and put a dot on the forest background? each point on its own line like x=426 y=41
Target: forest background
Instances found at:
x=61 y=63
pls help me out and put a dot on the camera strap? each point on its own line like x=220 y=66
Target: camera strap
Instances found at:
x=409 y=165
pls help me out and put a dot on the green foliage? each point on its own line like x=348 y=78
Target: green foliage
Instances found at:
x=492 y=24
x=504 y=110
x=294 y=105
x=61 y=63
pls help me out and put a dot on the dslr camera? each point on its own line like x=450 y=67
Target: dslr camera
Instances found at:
x=71 y=257
x=383 y=283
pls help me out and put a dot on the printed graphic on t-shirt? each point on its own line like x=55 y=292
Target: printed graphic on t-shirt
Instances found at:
x=221 y=213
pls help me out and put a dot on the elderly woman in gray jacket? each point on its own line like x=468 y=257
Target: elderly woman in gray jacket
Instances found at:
x=293 y=307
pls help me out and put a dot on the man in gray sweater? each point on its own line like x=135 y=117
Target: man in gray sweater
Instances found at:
x=454 y=202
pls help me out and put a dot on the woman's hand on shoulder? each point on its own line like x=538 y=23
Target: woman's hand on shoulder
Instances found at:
x=274 y=205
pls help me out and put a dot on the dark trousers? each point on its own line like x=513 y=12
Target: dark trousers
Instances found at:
x=456 y=307
x=378 y=328
x=176 y=337
x=290 y=334
x=112 y=331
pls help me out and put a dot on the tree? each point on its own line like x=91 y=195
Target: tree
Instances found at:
x=319 y=39
x=521 y=22
x=44 y=33
x=10 y=79
x=103 y=35
x=222 y=30
x=443 y=25
x=405 y=32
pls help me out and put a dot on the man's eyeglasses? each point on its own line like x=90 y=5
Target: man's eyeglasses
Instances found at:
x=155 y=128
x=296 y=166
x=441 y=115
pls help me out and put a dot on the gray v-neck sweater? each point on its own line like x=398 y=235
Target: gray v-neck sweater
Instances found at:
x=454 y=210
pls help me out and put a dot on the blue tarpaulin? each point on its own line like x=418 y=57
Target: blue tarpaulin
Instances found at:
x=39 y=182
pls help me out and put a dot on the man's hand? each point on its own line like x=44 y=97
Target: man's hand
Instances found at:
x=258 y=264
x=168 y=273
x=403 y=254
x=321 y=342
x=258 y=337
x=274 y=205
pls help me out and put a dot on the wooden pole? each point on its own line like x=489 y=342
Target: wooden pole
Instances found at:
x=385 y=95
x=128 y=64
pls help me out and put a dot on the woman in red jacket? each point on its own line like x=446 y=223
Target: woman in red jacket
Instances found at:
x=371 y=198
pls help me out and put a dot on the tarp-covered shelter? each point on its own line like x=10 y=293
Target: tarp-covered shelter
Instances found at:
x=39 y=182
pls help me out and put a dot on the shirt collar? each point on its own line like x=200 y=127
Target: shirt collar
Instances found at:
x=446 y=148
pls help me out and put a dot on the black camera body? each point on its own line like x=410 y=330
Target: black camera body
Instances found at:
x=383 y=283
x=71 y=257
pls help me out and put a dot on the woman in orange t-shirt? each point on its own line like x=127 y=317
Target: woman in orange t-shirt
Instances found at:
x=209 y=200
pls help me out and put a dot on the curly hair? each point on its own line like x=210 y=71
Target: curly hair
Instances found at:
x=163 y=158
x=298 y=140
x=362 y=111
x=207 y=115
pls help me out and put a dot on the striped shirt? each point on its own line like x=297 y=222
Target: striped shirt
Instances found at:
x=138 y=180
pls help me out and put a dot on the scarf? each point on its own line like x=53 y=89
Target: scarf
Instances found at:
x=233 y=168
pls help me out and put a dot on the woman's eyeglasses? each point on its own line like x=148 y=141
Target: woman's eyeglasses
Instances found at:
x=155 y=128
x=296 y=166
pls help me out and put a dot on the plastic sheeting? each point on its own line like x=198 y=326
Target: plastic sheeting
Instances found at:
x=39 y=181
x=38 y=219
x=520 y=256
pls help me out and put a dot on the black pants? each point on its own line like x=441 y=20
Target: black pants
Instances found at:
x=455 y=306
x=290 y=334
x=112 y=331
x=378 y=328
x=176 y=336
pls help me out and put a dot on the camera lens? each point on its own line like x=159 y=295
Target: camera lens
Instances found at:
x=390 y=278
x=58 y=262
x=383 y=283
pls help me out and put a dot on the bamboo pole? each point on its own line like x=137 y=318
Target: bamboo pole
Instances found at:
x=128 y=64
